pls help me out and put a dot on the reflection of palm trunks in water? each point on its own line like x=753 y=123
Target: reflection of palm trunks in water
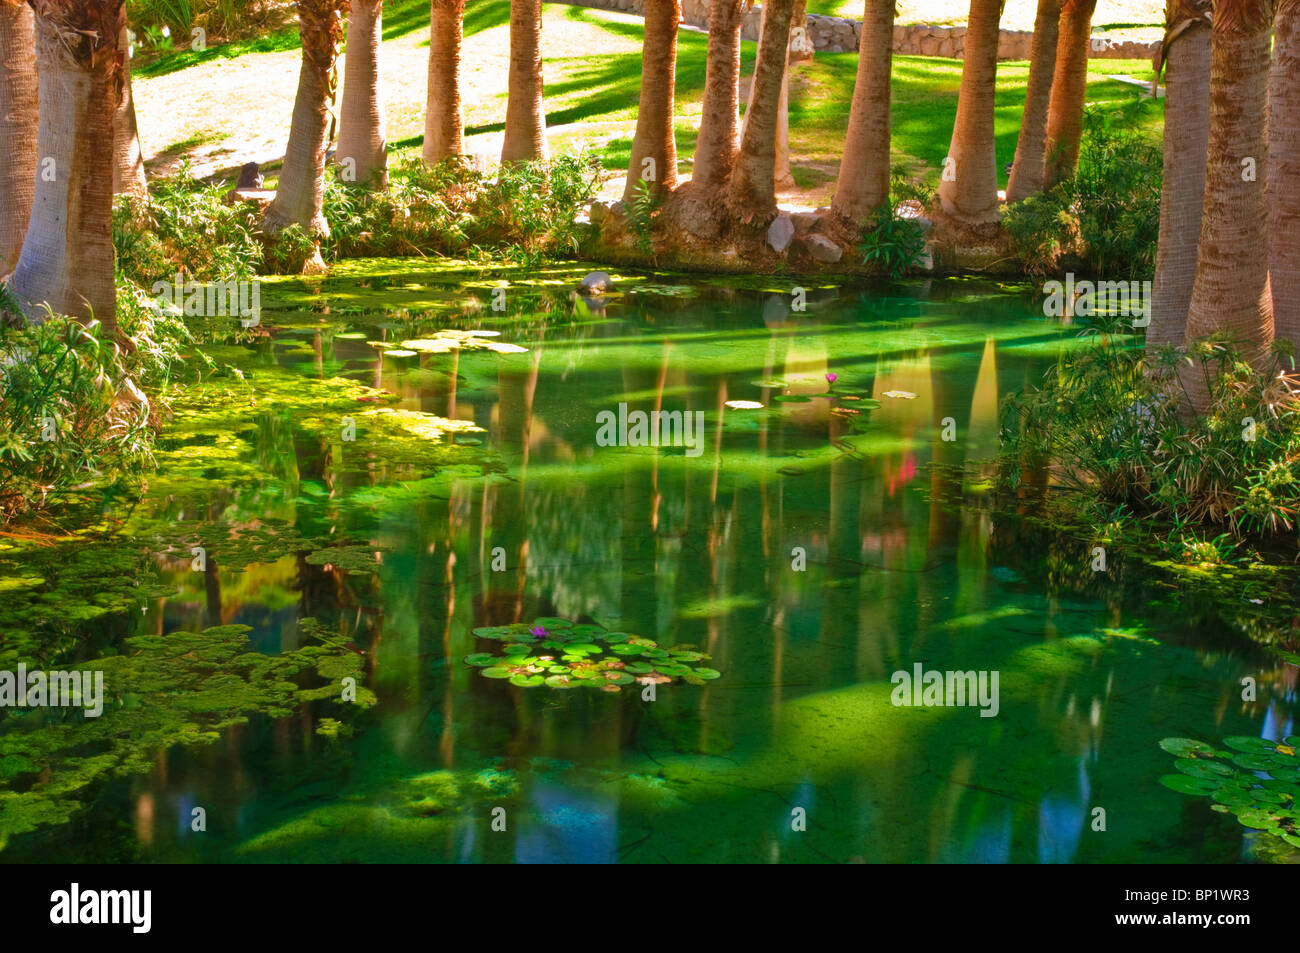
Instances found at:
x=637 y=602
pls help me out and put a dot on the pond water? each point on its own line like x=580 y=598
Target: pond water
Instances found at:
x=811 y=547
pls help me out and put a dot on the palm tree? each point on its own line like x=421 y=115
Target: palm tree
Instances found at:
x=968 y=190
x=751 y=192
x=300 y=191
x=525 y=135
x=362 y=135
x=863 y=184
x=654 y=150
x=67 y=254
x=1031 y=149
x=1284 y=173
x=18 y=117
x=128 y=160
x=443 y=122
x=719 y=141
x=1231 y=292
x=1185 y=57
x=1069 y=87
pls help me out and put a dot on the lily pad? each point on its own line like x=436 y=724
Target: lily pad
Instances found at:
x=706 y=673
x=1185 y=747
x=1188 y=785
x=481 y=660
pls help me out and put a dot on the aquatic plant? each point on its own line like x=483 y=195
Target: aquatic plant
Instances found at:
x=183 y=688
x=1257 y=781
x=561 y=654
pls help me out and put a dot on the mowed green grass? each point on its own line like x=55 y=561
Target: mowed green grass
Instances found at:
x=592 y=64
x=1016 y=15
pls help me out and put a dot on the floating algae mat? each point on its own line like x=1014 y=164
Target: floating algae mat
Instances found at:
x=386 y=582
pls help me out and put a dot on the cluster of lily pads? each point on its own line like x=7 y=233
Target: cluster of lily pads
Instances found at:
x=1237 y=783
x=558 y=653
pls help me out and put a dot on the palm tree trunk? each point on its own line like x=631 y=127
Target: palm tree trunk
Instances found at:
x=800 y=50
x=752 y=187
x=443 y=122
x=525 y=135
x=1186 y=57
x=1284 y=173
x=362 y=133
x=863 y=184
x=18 y=118
x=67 y=254
x=1069 y=89
x=1231 y=292
x=299 y=194
x=1031 y=148
x=654 y=149
x=128 y=159
x=968 y=191
x=719 y=142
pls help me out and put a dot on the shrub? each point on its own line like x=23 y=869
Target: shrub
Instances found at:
x=70 y=413
x=1108 y=213
x=892 y=242
x=528 y=212
x=1114 y=423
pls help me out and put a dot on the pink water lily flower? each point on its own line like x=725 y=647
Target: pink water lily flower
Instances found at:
x=832 y=378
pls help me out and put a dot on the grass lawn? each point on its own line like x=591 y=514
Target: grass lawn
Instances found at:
x=1129 y=17
x=227 y=105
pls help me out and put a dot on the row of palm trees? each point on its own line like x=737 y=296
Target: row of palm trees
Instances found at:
x=1229 y=254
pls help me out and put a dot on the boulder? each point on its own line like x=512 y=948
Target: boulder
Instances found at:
x=820 y=248
x=780 y=233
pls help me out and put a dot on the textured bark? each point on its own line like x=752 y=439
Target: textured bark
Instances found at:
x=67 y=255
x=799 y=50
x=1231 y=292
x=751 y=191
x=128 y=159
x=863 y=184
x=1069 y=89
x=1031 y=148
x=444 y=123
x=719 y=142
x=654 y=149
x=968 y=190
x=1284 y=173
x=301 y=188
x=525 y=135
x=362 y=124
x=18 y=119
x=1186 y=58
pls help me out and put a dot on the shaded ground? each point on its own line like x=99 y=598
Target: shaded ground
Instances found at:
x=221 y=110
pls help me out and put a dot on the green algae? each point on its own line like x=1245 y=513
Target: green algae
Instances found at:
x=183 y=688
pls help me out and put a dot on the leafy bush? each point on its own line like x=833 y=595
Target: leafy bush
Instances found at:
x=1116 y=423
x=527 y=213
x=185 y=226
x=225 y=18
x=892 y=242
x=70 y=413
x=1108 y=213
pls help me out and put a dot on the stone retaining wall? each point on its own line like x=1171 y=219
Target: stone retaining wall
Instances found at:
x=834 y=35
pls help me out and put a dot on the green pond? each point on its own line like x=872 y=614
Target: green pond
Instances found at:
x=283 y=613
